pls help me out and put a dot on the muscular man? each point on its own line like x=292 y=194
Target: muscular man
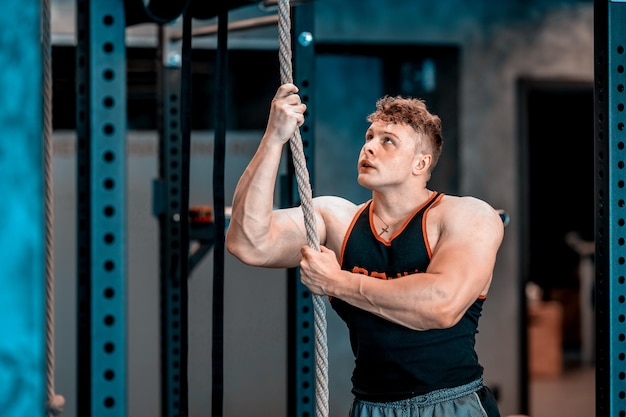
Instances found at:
x=408 y=270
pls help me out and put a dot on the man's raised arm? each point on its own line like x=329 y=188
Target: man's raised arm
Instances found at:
x=259 y=235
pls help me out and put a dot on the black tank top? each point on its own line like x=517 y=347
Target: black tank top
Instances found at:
x=393 y=362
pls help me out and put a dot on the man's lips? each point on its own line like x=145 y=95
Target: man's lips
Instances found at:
x=365 y=164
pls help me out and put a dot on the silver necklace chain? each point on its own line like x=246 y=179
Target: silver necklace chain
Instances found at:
x=384 y=229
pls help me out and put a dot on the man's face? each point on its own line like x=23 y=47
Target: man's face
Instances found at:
x=388 y=156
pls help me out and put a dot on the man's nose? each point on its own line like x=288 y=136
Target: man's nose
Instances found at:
x=368 y=147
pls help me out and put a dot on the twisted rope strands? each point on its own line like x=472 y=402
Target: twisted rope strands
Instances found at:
x=304 y=188
x=55 y=403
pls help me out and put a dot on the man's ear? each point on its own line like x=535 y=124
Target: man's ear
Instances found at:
x=423 y=163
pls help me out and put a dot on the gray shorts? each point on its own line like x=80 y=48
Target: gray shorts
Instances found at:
x=470 y=400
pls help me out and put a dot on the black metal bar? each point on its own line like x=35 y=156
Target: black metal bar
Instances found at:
x=610 y=207
x=167 y=207
x=602 y=302
x=217 y=403
x=170 y=205
x=185 y=122
x=83 y=208
x=524 y=259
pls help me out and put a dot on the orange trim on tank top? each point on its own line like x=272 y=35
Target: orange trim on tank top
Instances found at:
x=349 y=231
x=424 y=230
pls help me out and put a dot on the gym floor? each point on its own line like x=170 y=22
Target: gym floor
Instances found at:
x=572 y=394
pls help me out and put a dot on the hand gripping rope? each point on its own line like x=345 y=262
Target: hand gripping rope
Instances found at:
x=304 y=188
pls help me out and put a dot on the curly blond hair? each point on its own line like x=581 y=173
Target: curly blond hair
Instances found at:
x=413 y=112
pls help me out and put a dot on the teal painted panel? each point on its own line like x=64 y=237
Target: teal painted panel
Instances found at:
x=22 y=250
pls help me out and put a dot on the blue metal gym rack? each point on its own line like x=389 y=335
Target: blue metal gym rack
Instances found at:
x=610 y=156
x=101 y=208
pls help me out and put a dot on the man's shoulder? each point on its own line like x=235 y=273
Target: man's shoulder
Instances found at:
x=465 y=202
x=335 y=203
x=337 y=214
x=466 y=207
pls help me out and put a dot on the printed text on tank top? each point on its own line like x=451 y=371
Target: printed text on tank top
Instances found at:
x=381 y=275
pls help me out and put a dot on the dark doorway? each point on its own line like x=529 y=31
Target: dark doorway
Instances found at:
x=560 y=142
x=557 y=199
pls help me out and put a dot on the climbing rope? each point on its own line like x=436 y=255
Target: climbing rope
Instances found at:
x=55 y=403
x=304 y=188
